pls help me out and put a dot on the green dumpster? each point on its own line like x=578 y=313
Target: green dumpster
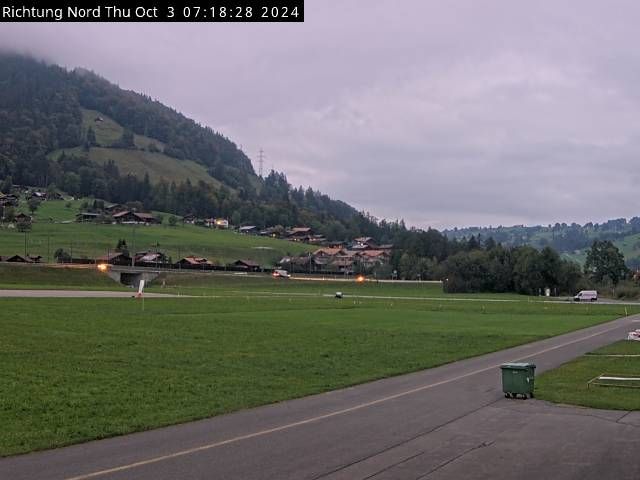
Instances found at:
x=518 y=379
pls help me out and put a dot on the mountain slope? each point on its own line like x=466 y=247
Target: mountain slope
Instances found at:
x=78 y=132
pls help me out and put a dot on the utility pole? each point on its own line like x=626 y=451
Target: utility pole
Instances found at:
x=260 y=162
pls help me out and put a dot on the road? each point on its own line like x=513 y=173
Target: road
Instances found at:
x=449 y=422
x=76 y=294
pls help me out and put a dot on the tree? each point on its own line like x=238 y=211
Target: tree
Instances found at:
x=91 y=137
x=62 y=256
x=604 y=261
x=34 y=204
x=173 y=221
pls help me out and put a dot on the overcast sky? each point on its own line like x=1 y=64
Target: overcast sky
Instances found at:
x=445 y=114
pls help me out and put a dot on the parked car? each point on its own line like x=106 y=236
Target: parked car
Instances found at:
x=586 y=296
x=281 y=274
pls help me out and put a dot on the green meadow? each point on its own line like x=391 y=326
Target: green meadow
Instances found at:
x=82 y=369
x=54 y=228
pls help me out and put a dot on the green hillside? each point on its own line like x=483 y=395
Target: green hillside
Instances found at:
x=77 y=132
x=108 y=131
x=53 y=229
x=139 y=162
x=146 y=158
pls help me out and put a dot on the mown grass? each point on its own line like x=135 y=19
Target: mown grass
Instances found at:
x=568 y=383
x=81 y=369
x=90 y=240
x=254 y=284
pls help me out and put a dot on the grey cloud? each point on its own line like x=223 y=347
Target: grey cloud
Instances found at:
x=492 y=112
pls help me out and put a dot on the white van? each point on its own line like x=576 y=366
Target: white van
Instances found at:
x=586 y=296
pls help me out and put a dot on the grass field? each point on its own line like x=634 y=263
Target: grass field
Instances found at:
x=215 y=284
x=80 y=369
x=25 y=276
x=568 y=384
x=90 y=240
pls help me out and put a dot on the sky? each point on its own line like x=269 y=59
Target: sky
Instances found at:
x=457 y=113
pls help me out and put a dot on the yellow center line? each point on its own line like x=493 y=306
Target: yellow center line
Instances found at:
x=322 y=417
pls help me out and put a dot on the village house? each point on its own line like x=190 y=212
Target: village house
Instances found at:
x=87 y=217
x=115 y=258
x=191 y=219
x=128 y=216
x=192 y=262
x=364 y=243
x=248 y=230
x=247 y=265
x=299 y=234
x=21 y=259
x=150 y=259
x=8 y=200
x=112 y=208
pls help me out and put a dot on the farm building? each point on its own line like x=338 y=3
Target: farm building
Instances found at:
x=299 y=234
x=150 y=259
x=85 y=217
x=21 y=259
x=248 y=230
x=248 y=265
x=127 y=216
x=115 y=258
x=194 y=262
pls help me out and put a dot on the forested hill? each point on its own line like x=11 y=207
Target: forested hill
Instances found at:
x=573 y=239
x=74 y=130
x=40 y=111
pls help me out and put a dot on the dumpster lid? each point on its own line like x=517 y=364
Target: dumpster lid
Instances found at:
x=518 y=366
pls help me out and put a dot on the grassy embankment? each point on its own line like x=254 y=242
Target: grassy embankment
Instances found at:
x=569 y=383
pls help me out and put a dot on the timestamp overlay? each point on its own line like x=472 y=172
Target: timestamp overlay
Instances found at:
x=150 y=11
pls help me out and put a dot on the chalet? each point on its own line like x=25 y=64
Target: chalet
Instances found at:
x=342 y=264
x=273 y=232
x=248 y=230
x=150 y=258
x=221 y=223
x=299 y=234
x=316 y=239
x=127 y=216
x=364 y=243
x=194 y=262
x=372 y=258
x=115 y=258
x=86 y=217
x=8 y=200
x=191 y=219
x=297 y=264
x=328 y=252
x=112 y=208
x=248 y=265
x=38 y=195
x=21 y=259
